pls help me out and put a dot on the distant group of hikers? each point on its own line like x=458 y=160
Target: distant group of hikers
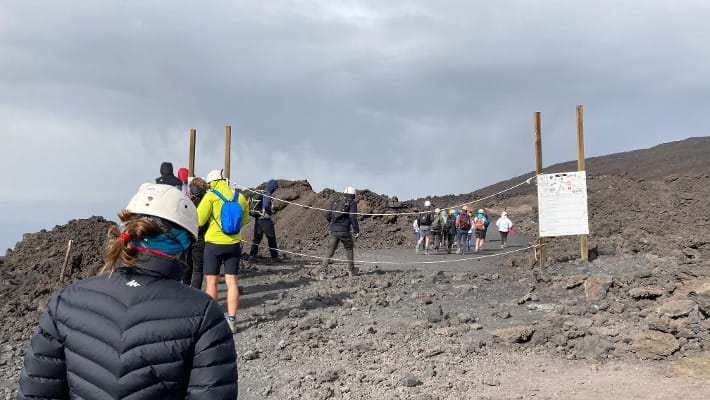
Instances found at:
x=435 y=229
x=143 y=328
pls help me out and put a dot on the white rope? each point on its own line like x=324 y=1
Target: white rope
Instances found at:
x=527 y=181
x=395 y=262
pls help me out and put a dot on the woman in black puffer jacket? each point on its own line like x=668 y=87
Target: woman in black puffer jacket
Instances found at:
x=136 y=332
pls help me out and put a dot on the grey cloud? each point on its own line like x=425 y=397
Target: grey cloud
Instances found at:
x=373 y=94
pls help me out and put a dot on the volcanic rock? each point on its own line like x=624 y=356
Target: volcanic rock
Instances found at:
x=677 y=308
x=517 y=334
x=596 y=286
x=654 y=344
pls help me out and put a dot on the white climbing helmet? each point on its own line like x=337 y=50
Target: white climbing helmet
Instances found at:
x=437 y=210
x=349 y=190
x=427 y=203
x=214 y=175
x=167 y=202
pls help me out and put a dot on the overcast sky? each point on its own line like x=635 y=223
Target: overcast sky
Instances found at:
x=403 y=98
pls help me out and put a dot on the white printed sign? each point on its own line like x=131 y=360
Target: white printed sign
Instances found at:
x=562 y=204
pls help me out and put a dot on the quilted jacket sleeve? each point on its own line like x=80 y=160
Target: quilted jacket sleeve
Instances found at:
x=44 y=372
x=214 y=366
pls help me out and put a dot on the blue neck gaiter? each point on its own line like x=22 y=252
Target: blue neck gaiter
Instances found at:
x=164 y=243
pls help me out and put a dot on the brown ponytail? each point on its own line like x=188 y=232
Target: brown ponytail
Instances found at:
x=120 y=247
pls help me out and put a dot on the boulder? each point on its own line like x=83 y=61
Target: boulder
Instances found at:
x=676 y=308
x=656 y=344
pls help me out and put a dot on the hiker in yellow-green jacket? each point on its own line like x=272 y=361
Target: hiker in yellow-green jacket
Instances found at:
x=221 y=247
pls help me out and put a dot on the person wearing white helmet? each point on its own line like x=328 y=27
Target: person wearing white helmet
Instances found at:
x=170 y=340
x=425 y=220
x=222 y=246
x=341 y=217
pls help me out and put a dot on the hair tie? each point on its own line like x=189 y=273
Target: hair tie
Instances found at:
x=124 y=236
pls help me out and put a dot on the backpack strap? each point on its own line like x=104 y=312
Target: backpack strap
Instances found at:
x=224 y=199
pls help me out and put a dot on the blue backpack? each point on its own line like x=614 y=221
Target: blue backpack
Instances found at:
x=230 y=214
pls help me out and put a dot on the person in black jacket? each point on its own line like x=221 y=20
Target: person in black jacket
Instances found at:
x=194 y=274
x=342 y=215
x=263 y=225
x=135 y=332
x=167 y=177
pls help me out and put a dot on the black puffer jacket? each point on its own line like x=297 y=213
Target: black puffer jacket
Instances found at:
x=137 y=333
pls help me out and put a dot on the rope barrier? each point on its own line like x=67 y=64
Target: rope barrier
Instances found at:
x=395 y=262
x=527 y=181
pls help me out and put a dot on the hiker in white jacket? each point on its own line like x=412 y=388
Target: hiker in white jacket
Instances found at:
x=504 y=224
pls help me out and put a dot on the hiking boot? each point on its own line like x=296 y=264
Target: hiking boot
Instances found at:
x=458 y=251
x=416 y=249
x=232 y=325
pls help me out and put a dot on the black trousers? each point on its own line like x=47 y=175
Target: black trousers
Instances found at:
x=450 y=238
x=264 y=227
x=348 y=243
x=193 y=273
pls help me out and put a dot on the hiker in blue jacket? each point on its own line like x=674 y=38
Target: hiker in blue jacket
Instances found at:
x=263 y=225
x=135 y=331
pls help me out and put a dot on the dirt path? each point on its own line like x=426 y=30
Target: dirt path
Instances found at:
x=422 y=331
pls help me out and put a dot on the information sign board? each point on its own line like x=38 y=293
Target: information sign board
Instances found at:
x=562 y=204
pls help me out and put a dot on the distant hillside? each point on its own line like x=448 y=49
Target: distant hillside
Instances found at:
x=679 y=157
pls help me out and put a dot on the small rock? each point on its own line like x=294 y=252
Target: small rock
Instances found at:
x=410 y=380
x=645 y=293
x=491 y=382
x=250 y=355
x=433 y=351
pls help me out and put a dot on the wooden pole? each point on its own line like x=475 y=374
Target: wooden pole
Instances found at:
x=191 y=157
x=538 y=170
x=66 y=260
x=583 y=239
x=227 y=149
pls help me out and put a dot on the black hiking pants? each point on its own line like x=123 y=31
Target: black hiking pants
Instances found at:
x=450 y=237
x=348 y=243
x=193 y=274
x=264 y=227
